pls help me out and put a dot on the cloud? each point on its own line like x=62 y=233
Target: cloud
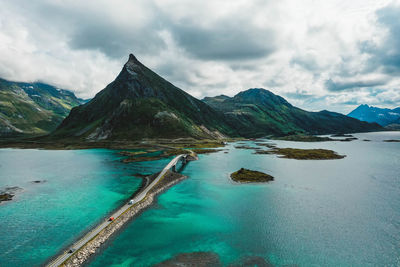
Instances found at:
x=299 y=95
x=226 y=40
x=351 y=84
x=316 y=53
x=385 y=52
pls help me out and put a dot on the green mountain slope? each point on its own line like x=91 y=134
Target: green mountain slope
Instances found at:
x=140 y=104
x=32 y=108
x=258 y=112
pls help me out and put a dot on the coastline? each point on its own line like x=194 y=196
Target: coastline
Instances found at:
x=86 y=252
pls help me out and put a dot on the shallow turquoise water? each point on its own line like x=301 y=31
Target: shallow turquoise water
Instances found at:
x=81 y=188
x=316 y=213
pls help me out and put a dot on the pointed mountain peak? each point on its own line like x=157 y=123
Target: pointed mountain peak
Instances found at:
x=132 y=65
x=132 y=58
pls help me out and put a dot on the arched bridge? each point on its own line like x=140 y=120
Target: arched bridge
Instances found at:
x=183 y=157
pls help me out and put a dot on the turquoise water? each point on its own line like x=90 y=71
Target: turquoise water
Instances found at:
x=81 y=187
x=316 y=213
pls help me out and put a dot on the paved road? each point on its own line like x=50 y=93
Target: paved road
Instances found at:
x=63 y=257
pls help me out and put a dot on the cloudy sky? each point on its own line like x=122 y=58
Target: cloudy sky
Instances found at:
x=318 y=54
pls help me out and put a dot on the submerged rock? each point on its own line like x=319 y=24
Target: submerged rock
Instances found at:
x=210 y=259
x=251 y=261
x=8 y=193
x=38 y=181
x=248 y=176
x=193 y=259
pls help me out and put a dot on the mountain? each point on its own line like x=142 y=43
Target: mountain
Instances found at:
x=258 y=112
x=394 y=125
x=140 y=104
x=382 y=116
x=33 y=108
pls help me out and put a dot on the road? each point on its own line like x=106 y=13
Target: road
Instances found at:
x=89 y=236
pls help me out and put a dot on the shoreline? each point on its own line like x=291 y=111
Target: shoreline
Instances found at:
x=93 y=246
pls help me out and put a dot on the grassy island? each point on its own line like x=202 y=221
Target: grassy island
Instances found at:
x=304 y=138
x=5 y=197
x=342 y=135
x=297 y=153
x=313 y=138
x=249 y=176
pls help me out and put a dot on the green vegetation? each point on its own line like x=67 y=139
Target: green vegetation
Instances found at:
x=246 y=147
x=297 y=153
x=201 y=145
x=249 y=176
x=5 y=197
x=140 y=104
x=304 y=138
x=269 y=145
x=150 y=156
x=205 y=151
x=313 y=138
x=32 y=108
x=342 y=135
x=259 y=112
x=347 y=139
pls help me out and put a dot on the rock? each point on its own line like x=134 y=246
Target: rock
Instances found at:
x=252 y=261
x=193 y=259
x=38 y=181
x=6 y=197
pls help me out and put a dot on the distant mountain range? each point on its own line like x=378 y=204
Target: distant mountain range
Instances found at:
x=382 y=116
x=141 y=104
x=257 y=112
x=33 y=108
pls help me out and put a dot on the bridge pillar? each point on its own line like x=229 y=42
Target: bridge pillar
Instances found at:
x=174 y=168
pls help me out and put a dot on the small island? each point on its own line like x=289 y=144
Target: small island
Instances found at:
x=249 y=176
x=6 y=197
x=297 y=153
x=8 y=193
x=303 y=138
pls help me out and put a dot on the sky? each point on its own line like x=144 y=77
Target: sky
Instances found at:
x=319 y=55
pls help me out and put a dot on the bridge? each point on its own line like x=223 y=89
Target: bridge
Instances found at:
x=139 y=197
